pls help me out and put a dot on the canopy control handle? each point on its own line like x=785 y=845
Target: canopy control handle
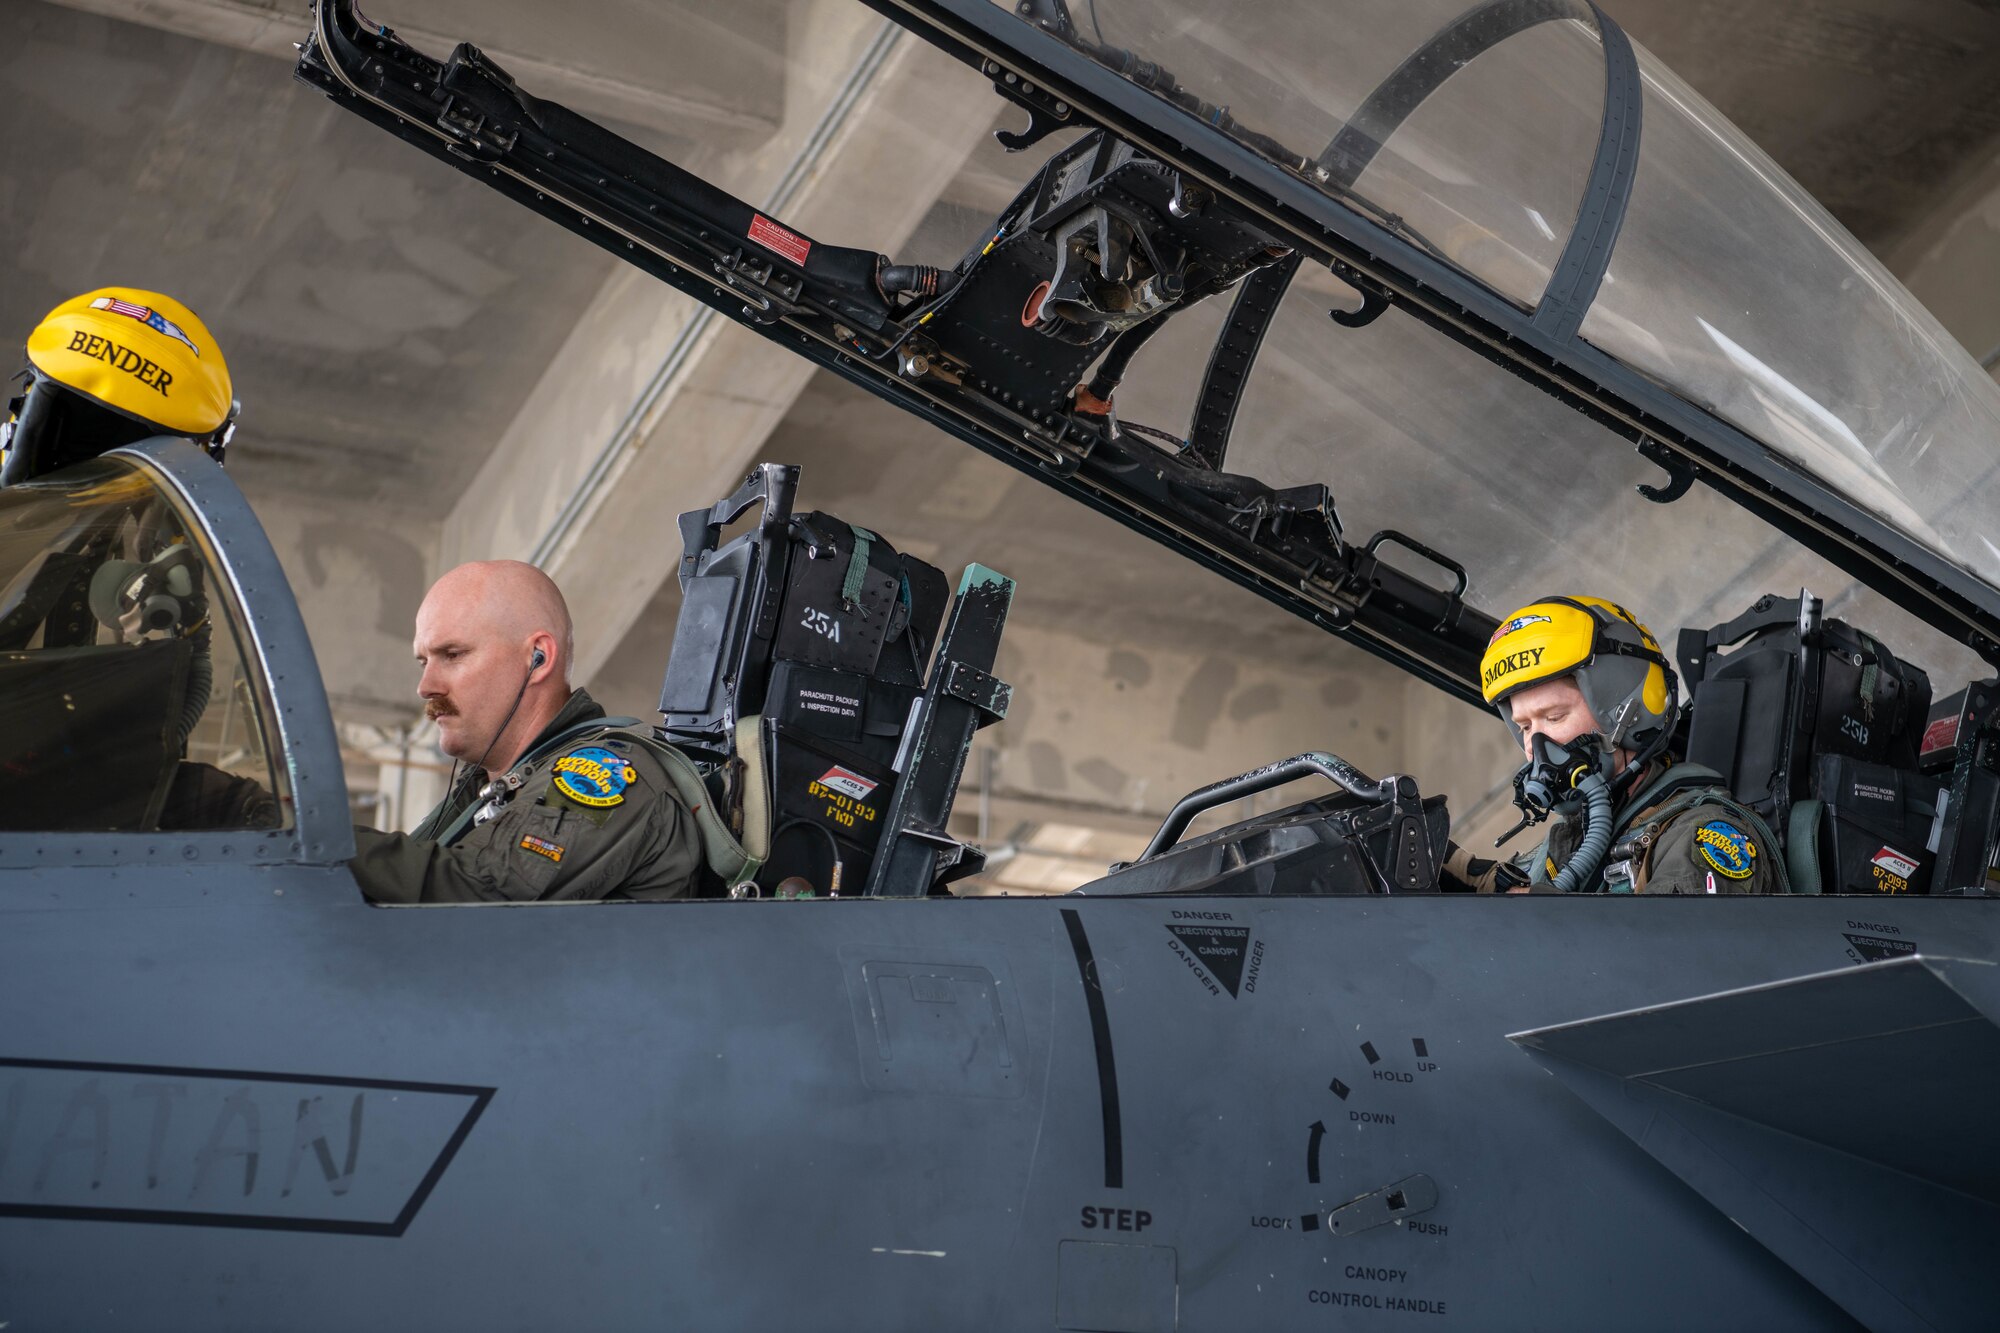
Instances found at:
x=1343 y=774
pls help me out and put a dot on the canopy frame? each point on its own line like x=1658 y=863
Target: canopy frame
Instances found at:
x=1724 y=457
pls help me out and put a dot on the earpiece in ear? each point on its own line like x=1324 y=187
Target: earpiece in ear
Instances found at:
x=536 y=662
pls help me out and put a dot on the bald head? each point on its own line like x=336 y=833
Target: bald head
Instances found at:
x=477 y=634
x=506 y=598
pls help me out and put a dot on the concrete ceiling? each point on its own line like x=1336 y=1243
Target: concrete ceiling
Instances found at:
x=380 y=316
x=1877 y=107
x=383 y=318
x=388 y=321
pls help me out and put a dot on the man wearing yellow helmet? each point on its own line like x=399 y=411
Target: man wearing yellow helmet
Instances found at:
x=110 y=368
x=1592 y=700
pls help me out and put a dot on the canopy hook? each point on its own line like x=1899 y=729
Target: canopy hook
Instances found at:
x=1680 y=477
x=1373 y=303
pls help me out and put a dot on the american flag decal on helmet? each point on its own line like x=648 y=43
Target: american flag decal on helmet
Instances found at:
x=146 y=315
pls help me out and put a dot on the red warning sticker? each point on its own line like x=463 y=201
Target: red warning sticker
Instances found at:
x=847 y=783
x=1941 y=734
x=779 y=239
x=1894 y=862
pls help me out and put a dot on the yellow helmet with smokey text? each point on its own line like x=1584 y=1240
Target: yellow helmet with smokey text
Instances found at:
x=1615 y=660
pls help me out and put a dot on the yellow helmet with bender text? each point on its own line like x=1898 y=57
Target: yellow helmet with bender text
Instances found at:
x=1615 y=660
x=138 y=353
x=112 y=367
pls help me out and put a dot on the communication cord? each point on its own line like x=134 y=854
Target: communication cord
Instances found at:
x=833 y=846
x=507 y=722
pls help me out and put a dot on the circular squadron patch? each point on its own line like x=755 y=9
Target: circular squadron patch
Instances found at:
x=1726 y=848
x=594 y=776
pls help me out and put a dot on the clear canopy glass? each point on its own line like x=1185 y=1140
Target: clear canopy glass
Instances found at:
x=1472 y=131
x=122 y=665
x=1733 y=287
x=1422 y=436
x=1487 y=171
x=1728 y=285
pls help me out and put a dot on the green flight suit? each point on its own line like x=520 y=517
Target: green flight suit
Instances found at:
x=593 y=816
x=1679 y=832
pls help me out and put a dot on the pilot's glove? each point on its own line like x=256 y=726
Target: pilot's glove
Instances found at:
x=1465 y=873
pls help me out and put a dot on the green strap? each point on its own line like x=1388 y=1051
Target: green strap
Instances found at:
x=1770 y=840
x=727 y=857
x=1689 y=797
x=857 y=563
x=1870 y=676
x=456 y=829
x=1802 y=847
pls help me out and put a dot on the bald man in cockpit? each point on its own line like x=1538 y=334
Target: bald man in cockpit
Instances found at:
x=555 y=804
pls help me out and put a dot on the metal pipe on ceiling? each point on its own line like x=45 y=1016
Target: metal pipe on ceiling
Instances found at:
x=842 y=106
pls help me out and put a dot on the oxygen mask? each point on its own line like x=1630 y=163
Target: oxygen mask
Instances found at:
x=151 y=599
x=1553 y=776
x=1563 y=775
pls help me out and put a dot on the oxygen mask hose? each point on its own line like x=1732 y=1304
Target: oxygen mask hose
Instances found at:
x=1579 y=873
x=201 y=684
x=1560 y=773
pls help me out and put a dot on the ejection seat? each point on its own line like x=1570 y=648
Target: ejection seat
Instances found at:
x=801 y=680
x=1817 y=727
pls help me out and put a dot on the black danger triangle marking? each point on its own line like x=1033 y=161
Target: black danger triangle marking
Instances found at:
x=1220 y=949
x=1874 y=950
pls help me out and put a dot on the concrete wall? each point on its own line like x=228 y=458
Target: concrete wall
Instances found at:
x=1951 y=262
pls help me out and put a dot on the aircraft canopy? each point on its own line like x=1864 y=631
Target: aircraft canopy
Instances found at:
x=1484 y=134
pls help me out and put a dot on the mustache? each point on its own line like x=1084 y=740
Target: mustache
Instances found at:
x=437 y=708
